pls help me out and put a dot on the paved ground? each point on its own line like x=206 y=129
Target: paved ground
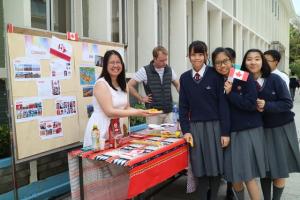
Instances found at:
x=176 y=190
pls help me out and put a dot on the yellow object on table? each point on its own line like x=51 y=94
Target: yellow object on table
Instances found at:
x=166 y=134
x=145 y=142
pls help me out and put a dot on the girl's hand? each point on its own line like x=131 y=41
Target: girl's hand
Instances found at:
x=259 y=109
x=189 y=139
x=260 y=104
x=227 y=87
x=225 y=141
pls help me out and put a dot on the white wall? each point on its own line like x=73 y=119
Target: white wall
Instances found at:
x=17 y=12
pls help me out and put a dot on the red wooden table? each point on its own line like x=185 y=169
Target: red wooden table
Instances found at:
x=125 y=172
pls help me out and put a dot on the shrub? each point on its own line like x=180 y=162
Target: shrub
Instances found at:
x=4 y=141
x=136 y=120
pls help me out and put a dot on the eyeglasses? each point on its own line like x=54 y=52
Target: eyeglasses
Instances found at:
x=114 y=63
x=220 y=63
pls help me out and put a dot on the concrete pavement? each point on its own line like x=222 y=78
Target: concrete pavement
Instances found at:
x=176 y=190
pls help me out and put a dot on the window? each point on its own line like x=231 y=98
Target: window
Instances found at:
x=39 y=14
x=159 y=22
x=278 y=11
x=53 y=15
x=85 y=18
x=275 y=8
x=115 y=23
x=61 y=16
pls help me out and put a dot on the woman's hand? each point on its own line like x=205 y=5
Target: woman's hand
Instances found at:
x=141 y=112
x=225 y=141
x=189 y=139
x=227 y=87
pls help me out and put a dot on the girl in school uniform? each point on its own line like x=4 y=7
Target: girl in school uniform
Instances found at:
x=275 y=104
x=204 y=119
x=244 y=157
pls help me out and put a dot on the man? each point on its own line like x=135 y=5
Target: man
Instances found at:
x=157 y=78
x=273 y=58
x=293 y=84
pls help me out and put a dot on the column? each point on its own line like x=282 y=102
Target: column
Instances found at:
x=227 y=32
x=215 y=24
x=178 y=39
x=131 y=49
x=239 y=43
x=246 y=41
x=147 y=31
x=200 y=20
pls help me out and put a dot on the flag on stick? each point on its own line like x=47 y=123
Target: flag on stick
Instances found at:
x=238 y=74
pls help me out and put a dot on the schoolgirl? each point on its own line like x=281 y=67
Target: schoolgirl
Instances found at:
x=244 y=157
x=204 y=119
x=275 y=104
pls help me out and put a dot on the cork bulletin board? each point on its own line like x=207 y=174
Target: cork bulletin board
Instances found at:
x=50 y=93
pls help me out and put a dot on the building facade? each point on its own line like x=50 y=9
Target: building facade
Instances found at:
x=143 y=24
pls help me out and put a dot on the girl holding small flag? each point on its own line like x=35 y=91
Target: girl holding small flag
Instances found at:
x=244 y=157
x=275 y=104
x=204 y=119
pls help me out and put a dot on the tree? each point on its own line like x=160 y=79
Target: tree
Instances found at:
x=295 y=50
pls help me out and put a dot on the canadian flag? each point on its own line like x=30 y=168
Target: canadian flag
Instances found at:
x=238 y=74
x=10 y=28
x=60 y=49
x=72 y=36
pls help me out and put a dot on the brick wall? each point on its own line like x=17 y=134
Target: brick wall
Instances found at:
x=52 y=164
x=46 y=166
x=6 y=181
x=3 y=103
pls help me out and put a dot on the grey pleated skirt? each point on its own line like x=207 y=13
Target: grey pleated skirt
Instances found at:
x=244 y=158
x=207 y=155
x=282 y=151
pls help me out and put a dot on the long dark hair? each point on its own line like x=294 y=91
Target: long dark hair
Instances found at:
x=121 y=80
x=265 y=68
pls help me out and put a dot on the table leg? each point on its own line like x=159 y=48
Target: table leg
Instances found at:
x=81 y=179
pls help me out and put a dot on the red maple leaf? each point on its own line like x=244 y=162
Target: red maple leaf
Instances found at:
x=238 y=74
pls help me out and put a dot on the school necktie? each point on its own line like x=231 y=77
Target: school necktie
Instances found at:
x=197 y=77
x=258 y=87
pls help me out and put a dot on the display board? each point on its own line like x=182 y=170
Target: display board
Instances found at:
x=51 y=85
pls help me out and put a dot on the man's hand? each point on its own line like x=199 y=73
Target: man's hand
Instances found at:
x=145 y=99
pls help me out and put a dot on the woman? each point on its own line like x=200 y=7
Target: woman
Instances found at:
x=110 y=97
x=204 y=119
x=275 y=103
x=244 y=158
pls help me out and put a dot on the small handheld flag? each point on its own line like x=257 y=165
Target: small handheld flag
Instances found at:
x=238 y=74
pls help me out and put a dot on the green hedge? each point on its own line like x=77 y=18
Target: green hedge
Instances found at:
x=137 y=120
x=4 y=141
